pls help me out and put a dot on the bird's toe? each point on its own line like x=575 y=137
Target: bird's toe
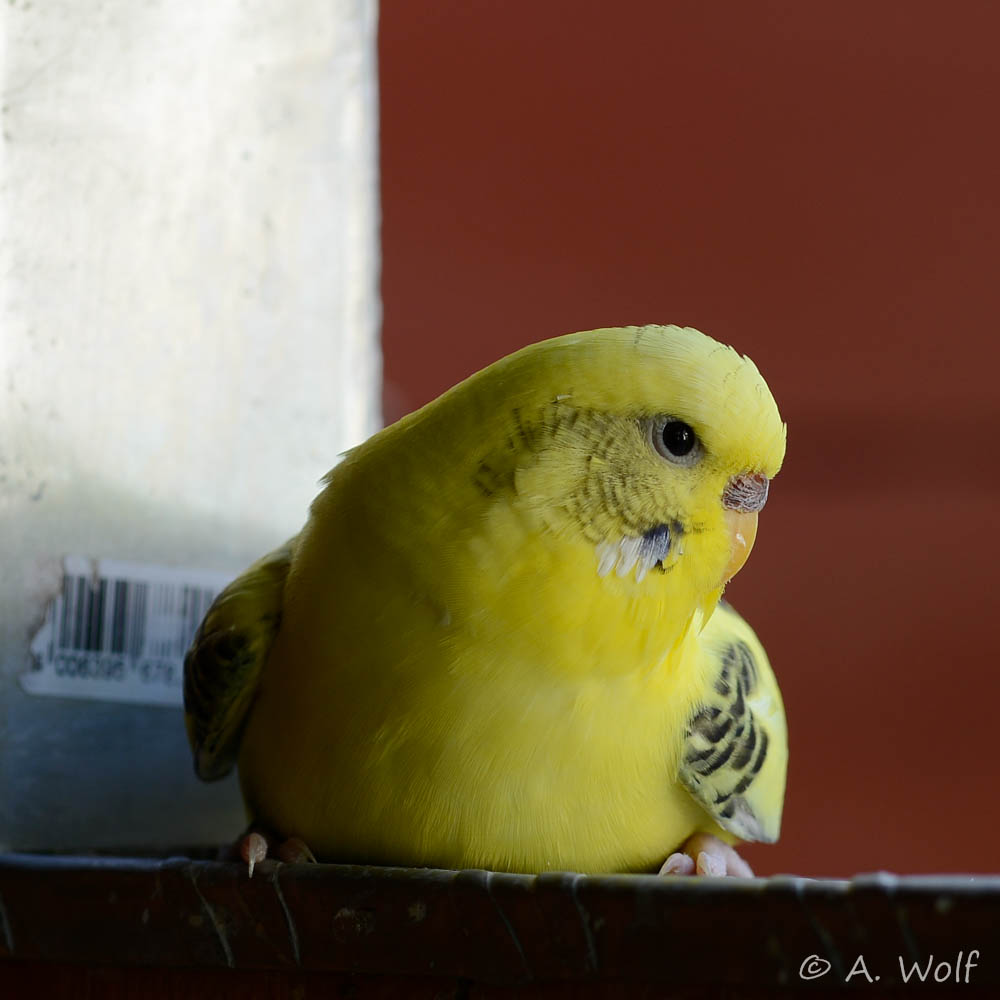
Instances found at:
x=704 y=854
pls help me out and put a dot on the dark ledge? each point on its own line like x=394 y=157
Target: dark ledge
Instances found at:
x=488 y=928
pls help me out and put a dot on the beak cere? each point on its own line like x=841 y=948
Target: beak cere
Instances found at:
x=746 y=492
x=742 y=498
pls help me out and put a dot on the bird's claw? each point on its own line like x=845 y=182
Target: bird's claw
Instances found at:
x=704 y=854
x=295 y=851
x=253 y=849
x=255 y=846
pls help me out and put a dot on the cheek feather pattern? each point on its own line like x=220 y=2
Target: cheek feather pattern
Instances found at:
x=642 y=553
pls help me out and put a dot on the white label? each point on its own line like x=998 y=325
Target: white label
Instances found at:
x=118 y=631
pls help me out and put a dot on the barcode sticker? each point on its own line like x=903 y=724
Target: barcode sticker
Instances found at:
x=118 y=631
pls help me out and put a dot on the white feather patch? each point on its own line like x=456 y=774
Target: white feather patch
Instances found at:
x=630 y=553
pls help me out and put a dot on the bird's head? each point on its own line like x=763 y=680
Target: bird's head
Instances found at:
x=650 y=447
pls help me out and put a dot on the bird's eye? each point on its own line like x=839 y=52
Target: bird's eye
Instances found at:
x=676 y=441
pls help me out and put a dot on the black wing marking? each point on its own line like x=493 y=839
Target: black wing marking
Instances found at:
x=223 y=665
x=734 y=755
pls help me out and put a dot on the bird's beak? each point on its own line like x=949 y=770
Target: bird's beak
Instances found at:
x=743 y=498
x=742 y=533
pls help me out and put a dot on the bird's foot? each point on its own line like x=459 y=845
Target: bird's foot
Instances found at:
x=255 y=845
x=703 y=854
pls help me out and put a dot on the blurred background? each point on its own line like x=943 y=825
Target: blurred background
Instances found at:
x=816 y=184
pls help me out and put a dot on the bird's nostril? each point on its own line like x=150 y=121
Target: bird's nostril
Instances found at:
x=746 y=492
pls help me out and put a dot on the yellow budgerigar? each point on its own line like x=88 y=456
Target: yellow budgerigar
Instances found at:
x=498 y=641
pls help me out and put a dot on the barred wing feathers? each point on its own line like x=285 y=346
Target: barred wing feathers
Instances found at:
x=735 y=751
x=223 y=665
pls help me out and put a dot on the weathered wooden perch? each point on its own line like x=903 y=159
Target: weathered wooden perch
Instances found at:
x=480 y=933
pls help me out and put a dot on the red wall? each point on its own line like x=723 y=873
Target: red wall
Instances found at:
x=818 y=185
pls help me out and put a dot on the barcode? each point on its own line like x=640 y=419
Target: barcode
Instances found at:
x=120 y=631
x=127 y=617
